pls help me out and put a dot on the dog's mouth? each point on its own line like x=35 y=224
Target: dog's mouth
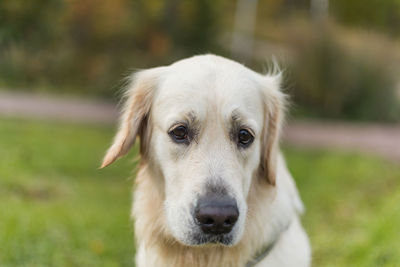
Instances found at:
x=209 y=239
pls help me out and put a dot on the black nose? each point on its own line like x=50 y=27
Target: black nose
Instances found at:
x=216 y=215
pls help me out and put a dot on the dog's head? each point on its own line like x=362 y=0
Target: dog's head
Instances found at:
x=209 y=128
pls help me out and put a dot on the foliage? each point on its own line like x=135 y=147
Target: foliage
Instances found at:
x=89 y=46
x=58 y=209
x=333 y=80
x=375 y=14
x=86 y=46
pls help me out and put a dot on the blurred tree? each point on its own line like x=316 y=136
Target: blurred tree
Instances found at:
x=375 y=14
x=334 y=82
x=26 y=28
x=28 y=21
x=85 y=45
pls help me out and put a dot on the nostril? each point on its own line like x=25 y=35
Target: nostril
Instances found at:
x=209 y=221
x=231 y=219
x=228 y=222
x=204 y=219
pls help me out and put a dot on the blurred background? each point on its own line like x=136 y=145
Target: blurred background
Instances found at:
x=62 y=63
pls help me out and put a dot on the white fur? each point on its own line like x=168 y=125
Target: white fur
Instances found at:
x=204 y=92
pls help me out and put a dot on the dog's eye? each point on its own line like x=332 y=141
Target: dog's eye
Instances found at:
x=245 y=138
x=179 y=134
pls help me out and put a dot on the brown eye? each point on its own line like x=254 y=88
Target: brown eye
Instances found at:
x=245 y=138
x=179 y=134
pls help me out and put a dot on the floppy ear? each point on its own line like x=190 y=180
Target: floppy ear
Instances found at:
x=138 y=99
x=274 y=102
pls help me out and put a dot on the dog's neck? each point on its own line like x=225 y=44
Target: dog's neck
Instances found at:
x=161 y=249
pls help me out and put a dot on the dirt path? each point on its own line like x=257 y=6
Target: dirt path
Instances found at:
x=383 y=140
x=56 y=108
x=379 y=139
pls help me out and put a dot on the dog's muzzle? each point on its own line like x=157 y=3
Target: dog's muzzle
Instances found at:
x=216 y=215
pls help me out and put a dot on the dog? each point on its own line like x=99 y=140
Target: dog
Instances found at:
x=212 y=187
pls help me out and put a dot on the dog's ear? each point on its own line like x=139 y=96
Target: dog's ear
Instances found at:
x=274 y=103
x=138 y=100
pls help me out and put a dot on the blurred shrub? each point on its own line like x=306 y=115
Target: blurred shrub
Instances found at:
x=331 y=80
x=375 y=14
x=86 y=46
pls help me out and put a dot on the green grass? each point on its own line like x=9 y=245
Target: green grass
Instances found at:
x=352 y=207
x=58 y=209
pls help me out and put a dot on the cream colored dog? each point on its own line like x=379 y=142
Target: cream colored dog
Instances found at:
x=212 y=188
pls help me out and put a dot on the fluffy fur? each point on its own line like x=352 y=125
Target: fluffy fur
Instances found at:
x=213 y=97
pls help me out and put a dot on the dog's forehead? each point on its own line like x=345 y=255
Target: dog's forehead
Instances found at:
x=210 y=83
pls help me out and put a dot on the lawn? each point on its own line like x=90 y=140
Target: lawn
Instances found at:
x=58 y=209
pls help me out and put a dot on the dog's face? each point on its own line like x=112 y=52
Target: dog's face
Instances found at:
x=208 y=129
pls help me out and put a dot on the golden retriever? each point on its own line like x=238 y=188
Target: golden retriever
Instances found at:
x=212 y=187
